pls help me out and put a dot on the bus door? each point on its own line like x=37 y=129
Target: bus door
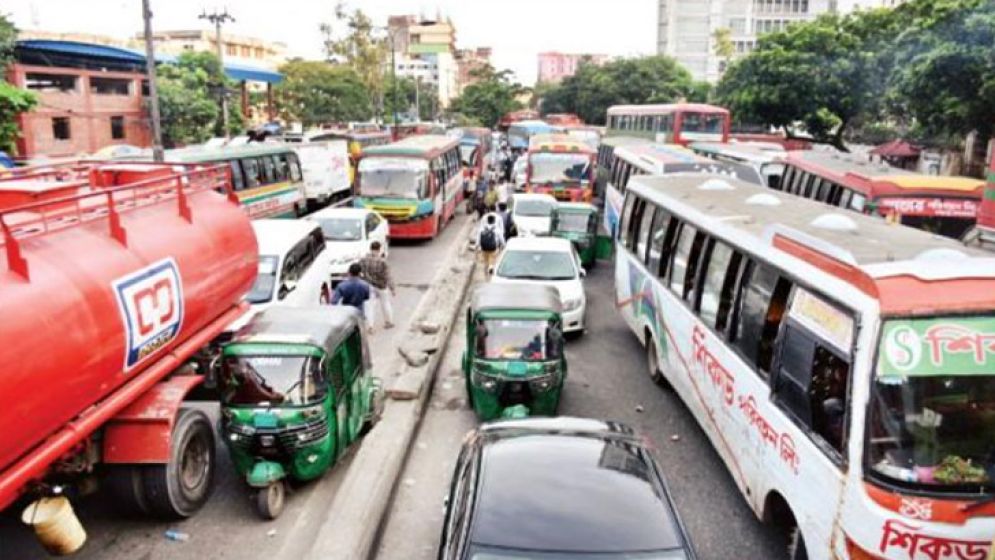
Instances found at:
x=811 y=387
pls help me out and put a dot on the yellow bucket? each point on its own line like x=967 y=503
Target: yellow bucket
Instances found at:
x=56 y=526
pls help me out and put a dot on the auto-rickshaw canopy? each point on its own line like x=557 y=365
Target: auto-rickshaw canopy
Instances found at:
x=575 y=208
x=529 y=297
x=326 y=326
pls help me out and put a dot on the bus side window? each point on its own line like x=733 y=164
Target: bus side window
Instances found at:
x=642 y=239
x=662 y=235
x=683 y=265
x=251 y=168
x=797 y=181
x=295 y=167
x=237 y=182
x=625 y=218
x=635 y=221
x=811 y=385
x=280 y=168
x=789 y=174
x=763 y=301
x=721 y=266
x=625 y=177
x=269 y=170
x=857 y=202
x=844 y=200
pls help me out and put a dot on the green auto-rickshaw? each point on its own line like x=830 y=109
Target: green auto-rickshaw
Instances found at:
x=296 y=391
x=514 y=362
x=578 y=222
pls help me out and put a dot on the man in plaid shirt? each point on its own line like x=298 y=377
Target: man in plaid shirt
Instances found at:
x=376 y=272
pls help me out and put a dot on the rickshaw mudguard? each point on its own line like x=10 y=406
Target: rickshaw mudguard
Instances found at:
x=264 y=473
x=517 y=411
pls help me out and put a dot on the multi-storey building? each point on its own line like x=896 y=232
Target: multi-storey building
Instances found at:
x=850 y=5
x=687 y=28
x=554 y=66
x=236 y=49
x=426 y=50
x=469 y=60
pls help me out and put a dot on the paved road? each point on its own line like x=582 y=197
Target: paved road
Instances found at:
x=228 y=526
x=607 y=380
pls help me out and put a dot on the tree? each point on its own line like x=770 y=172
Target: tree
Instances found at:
x=8 y=38
x=188 y=112
x=491 y=96
x=13 y=100
x=349 y=40
x=818 y=74
x=594 y=88
x=206 y=66
x=313 y=93
x=427 y=98
x=945 y=69
x=724 y=48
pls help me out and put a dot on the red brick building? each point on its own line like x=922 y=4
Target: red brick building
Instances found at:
x=89 y=97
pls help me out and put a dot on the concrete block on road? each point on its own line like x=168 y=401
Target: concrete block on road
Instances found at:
x=408 y=386
x=414 y=356
x=429 y=327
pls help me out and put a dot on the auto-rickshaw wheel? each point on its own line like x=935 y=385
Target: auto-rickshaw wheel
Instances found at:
x=376 y=407
x=270 y=500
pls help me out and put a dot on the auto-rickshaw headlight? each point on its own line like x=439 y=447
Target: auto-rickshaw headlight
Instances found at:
x=484 y=381
x=313 y=412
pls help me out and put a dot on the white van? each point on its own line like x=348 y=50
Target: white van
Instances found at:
x=294 y=268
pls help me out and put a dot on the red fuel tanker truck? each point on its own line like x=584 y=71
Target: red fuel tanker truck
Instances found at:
x=114 y=279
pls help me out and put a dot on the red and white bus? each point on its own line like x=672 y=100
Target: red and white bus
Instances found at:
x=843 y=367
x=938 y=204
x=415 y=184
x=676 y=123
x=560 y=166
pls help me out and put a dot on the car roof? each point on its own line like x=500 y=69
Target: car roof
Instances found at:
x=340 y=213
x=538 y=244
x=570 y=486
x=276 y=237
x=491 y=296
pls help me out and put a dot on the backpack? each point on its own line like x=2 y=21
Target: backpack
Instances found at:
x=509 y=225
x=488 y=240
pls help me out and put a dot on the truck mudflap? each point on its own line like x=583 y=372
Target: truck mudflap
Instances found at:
x=142 y=432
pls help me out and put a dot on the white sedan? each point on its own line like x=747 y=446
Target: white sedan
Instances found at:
x=532 y=213
x=549 y=261
x=349 y=232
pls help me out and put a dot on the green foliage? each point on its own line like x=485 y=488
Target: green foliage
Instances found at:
x=12 y=102
x=489 y=98
x=203 y=69
x=189 y=111
x=723 y=43
x=945 y=71
x=349 y=39
x=927 y=66
x=8 y=37
x=652 y=79
x=313 y=93
x=428 y=98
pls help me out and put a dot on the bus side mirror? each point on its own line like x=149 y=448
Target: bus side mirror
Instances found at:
x=286 y=288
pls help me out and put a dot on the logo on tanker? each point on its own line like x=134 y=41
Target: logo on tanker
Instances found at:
x=151 y=304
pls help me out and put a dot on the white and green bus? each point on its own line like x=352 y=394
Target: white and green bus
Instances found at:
x=842 y=367
x=266 y=178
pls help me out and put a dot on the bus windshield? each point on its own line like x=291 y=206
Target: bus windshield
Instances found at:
x=467 y=154
x=273 y=379
x=560 y=168
x=933 y=404
x=393 y=177
x=516 y=339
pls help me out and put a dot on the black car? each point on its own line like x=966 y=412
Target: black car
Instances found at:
x=559 y=488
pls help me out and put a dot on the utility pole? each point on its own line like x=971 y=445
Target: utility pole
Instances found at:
x=219 y=19
x=393 y=78
x=417 y=101
x=157 y=154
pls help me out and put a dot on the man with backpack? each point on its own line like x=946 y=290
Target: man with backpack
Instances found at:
x=507 y=220
x=490 y=239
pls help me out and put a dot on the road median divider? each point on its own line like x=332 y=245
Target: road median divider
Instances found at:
x=356 y=513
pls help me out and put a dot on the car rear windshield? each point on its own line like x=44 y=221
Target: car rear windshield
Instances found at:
x=537 y=265
x=571 y=494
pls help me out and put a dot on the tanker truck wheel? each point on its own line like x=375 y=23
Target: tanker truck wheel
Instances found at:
x=179 y=488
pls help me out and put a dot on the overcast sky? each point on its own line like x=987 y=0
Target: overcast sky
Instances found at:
x=517 y=29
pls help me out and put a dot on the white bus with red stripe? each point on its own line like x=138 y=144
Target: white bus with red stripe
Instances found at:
x=843 y=367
